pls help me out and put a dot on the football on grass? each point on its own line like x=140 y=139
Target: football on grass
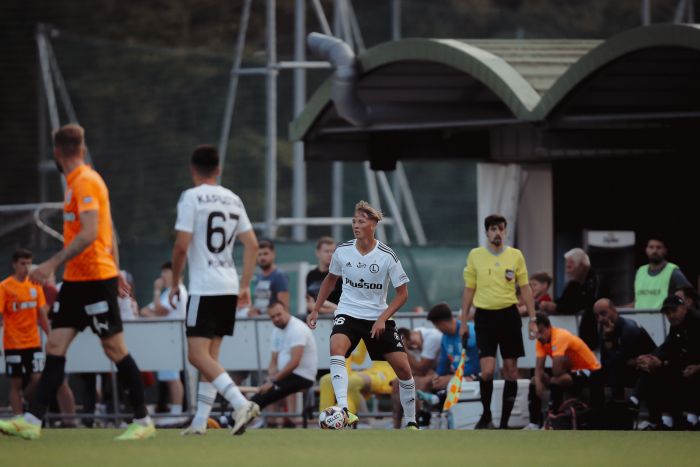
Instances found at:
x=332 y=418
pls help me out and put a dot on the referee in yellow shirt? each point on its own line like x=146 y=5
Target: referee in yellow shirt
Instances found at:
x=490 y=277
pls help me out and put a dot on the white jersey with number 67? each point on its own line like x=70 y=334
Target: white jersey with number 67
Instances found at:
x=214 y=215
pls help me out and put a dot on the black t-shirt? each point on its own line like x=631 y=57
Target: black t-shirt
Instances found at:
x=682 y=345
x=313 y=285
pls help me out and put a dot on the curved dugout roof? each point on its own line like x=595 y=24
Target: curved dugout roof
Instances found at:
x=490 y=82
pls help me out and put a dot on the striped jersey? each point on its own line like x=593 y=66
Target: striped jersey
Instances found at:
x=365 y=279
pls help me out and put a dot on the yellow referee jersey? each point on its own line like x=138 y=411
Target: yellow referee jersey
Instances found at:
x=494 y=277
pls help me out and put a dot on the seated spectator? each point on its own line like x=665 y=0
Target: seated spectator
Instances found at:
x=423 y=349
x=325 y=247
x=540 y=284
x=160 y=307
x=451 y=348
x=582 y=289
x=574 y=367
x=688 y=294
x=271 y=284
x=671 y=381
x=450 y=352
x=623 y=340
x=294 y=360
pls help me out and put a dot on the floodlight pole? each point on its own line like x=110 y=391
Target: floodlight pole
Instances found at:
x=337 y=167
x=233 y=83
x=396 y=36
x=271 y=122
x=299 y=174
x=48 y=93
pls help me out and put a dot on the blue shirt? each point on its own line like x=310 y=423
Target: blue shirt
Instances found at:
x=267 y=288
x=451 y=352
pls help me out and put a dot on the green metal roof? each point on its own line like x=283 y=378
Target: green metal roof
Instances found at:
x=531 y=77
x=662 y=35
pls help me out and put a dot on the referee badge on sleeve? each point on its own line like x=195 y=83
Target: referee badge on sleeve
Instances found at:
x=510 y=275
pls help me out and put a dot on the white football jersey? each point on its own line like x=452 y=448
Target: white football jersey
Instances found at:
x=214 y=215
x=365 y=279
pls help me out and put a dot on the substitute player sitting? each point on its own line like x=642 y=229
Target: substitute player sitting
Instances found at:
x=367 y=266
x=574 y=365
x=22 y=306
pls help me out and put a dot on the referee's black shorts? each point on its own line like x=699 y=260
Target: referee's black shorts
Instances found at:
x=499 y=328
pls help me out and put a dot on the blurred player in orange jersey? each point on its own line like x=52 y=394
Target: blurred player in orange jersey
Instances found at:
x=23 y=307
x=88 y=297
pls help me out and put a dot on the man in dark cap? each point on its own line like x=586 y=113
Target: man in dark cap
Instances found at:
x=671 y=381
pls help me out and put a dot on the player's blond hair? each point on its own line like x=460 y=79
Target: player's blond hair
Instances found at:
x=69 y=139
x=371 y=212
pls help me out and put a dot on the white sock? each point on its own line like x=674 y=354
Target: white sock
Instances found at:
x=667 y=420
x=175 y=409
x=339 y=379
x=407 y=393
x=145 y=421
x=206 y=395
x=692 y=419
x=31 y=418
x=227 y=388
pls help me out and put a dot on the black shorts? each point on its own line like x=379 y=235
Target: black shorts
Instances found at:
x=356 y=329
x=211 y=315
x=24 y=362
x=499 y=328
x=89 y=303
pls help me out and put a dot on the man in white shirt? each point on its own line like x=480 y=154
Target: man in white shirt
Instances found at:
x=423 y=346
x=209 y=217
x=160 y=306
x=294 y=360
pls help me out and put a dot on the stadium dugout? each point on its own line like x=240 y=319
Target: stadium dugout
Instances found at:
x=604 y=125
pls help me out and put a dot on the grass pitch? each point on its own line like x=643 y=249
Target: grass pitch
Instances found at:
x=363 y=448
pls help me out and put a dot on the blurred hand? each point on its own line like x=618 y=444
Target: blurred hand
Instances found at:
x=252 y=312
x=174 y=296
x=648 y=363
x=378 y=328
x=548 y=307
x=607 y=326
x=244 y=297
x=266 y=387
x=41 y=273
x=690 y=370
x=464 y=331
x=311 y=319
x=532 y=329
x=123 y=286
